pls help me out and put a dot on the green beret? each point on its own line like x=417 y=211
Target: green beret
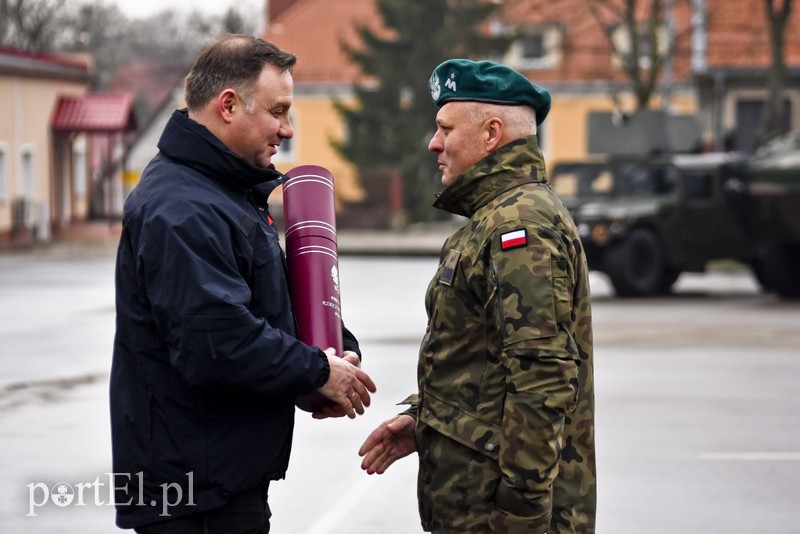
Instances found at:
x=486 y=81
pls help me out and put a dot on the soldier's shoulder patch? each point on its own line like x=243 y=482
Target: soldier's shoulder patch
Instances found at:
x=513 y=239
x=449 y=267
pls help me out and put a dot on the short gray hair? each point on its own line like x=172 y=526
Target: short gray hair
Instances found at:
x=519 y=121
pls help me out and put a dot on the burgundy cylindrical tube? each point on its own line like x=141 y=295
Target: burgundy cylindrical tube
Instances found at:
x=312 y=258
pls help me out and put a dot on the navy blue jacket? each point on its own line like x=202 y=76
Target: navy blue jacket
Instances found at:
x=206 y=364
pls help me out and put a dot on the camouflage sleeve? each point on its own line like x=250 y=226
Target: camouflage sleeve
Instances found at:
x=532 y=297
x=413 y=402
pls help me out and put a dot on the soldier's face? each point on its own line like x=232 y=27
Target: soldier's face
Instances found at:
x=459 y=140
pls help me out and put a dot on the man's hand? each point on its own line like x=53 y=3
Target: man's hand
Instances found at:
x=392 y=440
x=348 y=386
x=337 y=410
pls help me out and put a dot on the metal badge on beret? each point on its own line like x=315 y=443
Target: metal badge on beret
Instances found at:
x=486 y=81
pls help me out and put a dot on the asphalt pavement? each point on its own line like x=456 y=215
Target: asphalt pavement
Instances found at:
x=697 y=403
x=99 y=238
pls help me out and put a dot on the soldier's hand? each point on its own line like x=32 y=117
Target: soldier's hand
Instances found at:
x=392 y=440
x=348 y=386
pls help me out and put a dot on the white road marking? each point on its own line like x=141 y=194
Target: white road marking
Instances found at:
x=752 y=456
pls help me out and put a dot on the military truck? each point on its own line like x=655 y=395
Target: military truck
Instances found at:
x=644 y=221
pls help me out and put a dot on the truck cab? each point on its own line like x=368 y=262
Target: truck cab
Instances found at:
x=645 y=220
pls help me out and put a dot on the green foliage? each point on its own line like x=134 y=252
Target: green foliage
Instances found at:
x=394 y=118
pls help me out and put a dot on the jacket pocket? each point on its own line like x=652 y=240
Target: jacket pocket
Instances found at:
x=269 y=285
x=267 y=265
x=525 y=294
x=459 y=425
x=215 y=348
x=562 y=294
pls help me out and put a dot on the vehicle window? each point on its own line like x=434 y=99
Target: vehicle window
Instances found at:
x=699 y=185
x=637 y=180
x=619 y=179
x=566 y=185
x=633 y=180
x=582 y=180
x=603 y=183
x=667 y=181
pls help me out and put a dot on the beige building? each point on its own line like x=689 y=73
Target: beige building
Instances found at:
x=30 y=85
x=314 y=29
x=55 y=144
x=714 y=88
x=322 y=76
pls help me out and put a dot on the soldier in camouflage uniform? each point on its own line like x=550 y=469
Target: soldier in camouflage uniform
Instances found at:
x=504 y=418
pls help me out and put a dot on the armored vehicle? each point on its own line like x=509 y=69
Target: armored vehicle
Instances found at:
x=644 y=221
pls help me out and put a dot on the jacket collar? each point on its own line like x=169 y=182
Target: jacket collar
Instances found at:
x=511 y=165
x=193 y=144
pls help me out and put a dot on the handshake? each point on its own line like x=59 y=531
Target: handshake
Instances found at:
x=348 y=387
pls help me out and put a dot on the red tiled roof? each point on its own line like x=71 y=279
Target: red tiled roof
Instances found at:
x=19 y=62
x=312 y=30
x=737 y=37
x=100 y=112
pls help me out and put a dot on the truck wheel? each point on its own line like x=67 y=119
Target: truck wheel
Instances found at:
x=636 y=265
x=668 y=280
x=778 y=269
x=757 y=267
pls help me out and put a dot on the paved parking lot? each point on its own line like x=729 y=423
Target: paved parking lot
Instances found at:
x=697 y=407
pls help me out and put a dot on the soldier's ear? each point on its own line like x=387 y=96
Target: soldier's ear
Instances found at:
x=493 y=133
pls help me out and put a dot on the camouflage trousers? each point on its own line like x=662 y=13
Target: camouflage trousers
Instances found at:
x=461 y=488
x=465 y=510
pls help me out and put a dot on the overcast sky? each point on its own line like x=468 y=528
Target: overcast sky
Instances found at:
x=144 y=8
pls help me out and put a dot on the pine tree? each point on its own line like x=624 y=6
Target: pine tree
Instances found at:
x=394 y=117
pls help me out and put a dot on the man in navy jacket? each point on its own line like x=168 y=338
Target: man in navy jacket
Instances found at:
x=206 y=361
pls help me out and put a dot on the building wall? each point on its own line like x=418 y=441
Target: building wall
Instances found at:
x=25 y=115
x=565 y=130
x=584 y=78
x=739 y=34
x=316 y=122
x=726 y=58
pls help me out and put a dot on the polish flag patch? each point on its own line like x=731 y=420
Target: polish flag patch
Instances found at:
x=513 y=239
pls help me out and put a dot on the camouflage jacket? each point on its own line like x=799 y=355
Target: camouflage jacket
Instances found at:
x=505 y=411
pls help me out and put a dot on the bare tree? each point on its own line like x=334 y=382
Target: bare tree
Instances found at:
x=639 y=35
x=5 y=20
x=102 y=30
x=31 y=25
x=777 y=12
x=241 y=20
x=646 y=46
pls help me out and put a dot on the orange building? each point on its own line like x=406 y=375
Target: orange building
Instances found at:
x=716 y=76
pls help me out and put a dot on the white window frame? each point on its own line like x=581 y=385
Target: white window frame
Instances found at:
x=26 y=187
x=79 y=167
x=623 y=45
x=552 y=43
x=552 y=39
